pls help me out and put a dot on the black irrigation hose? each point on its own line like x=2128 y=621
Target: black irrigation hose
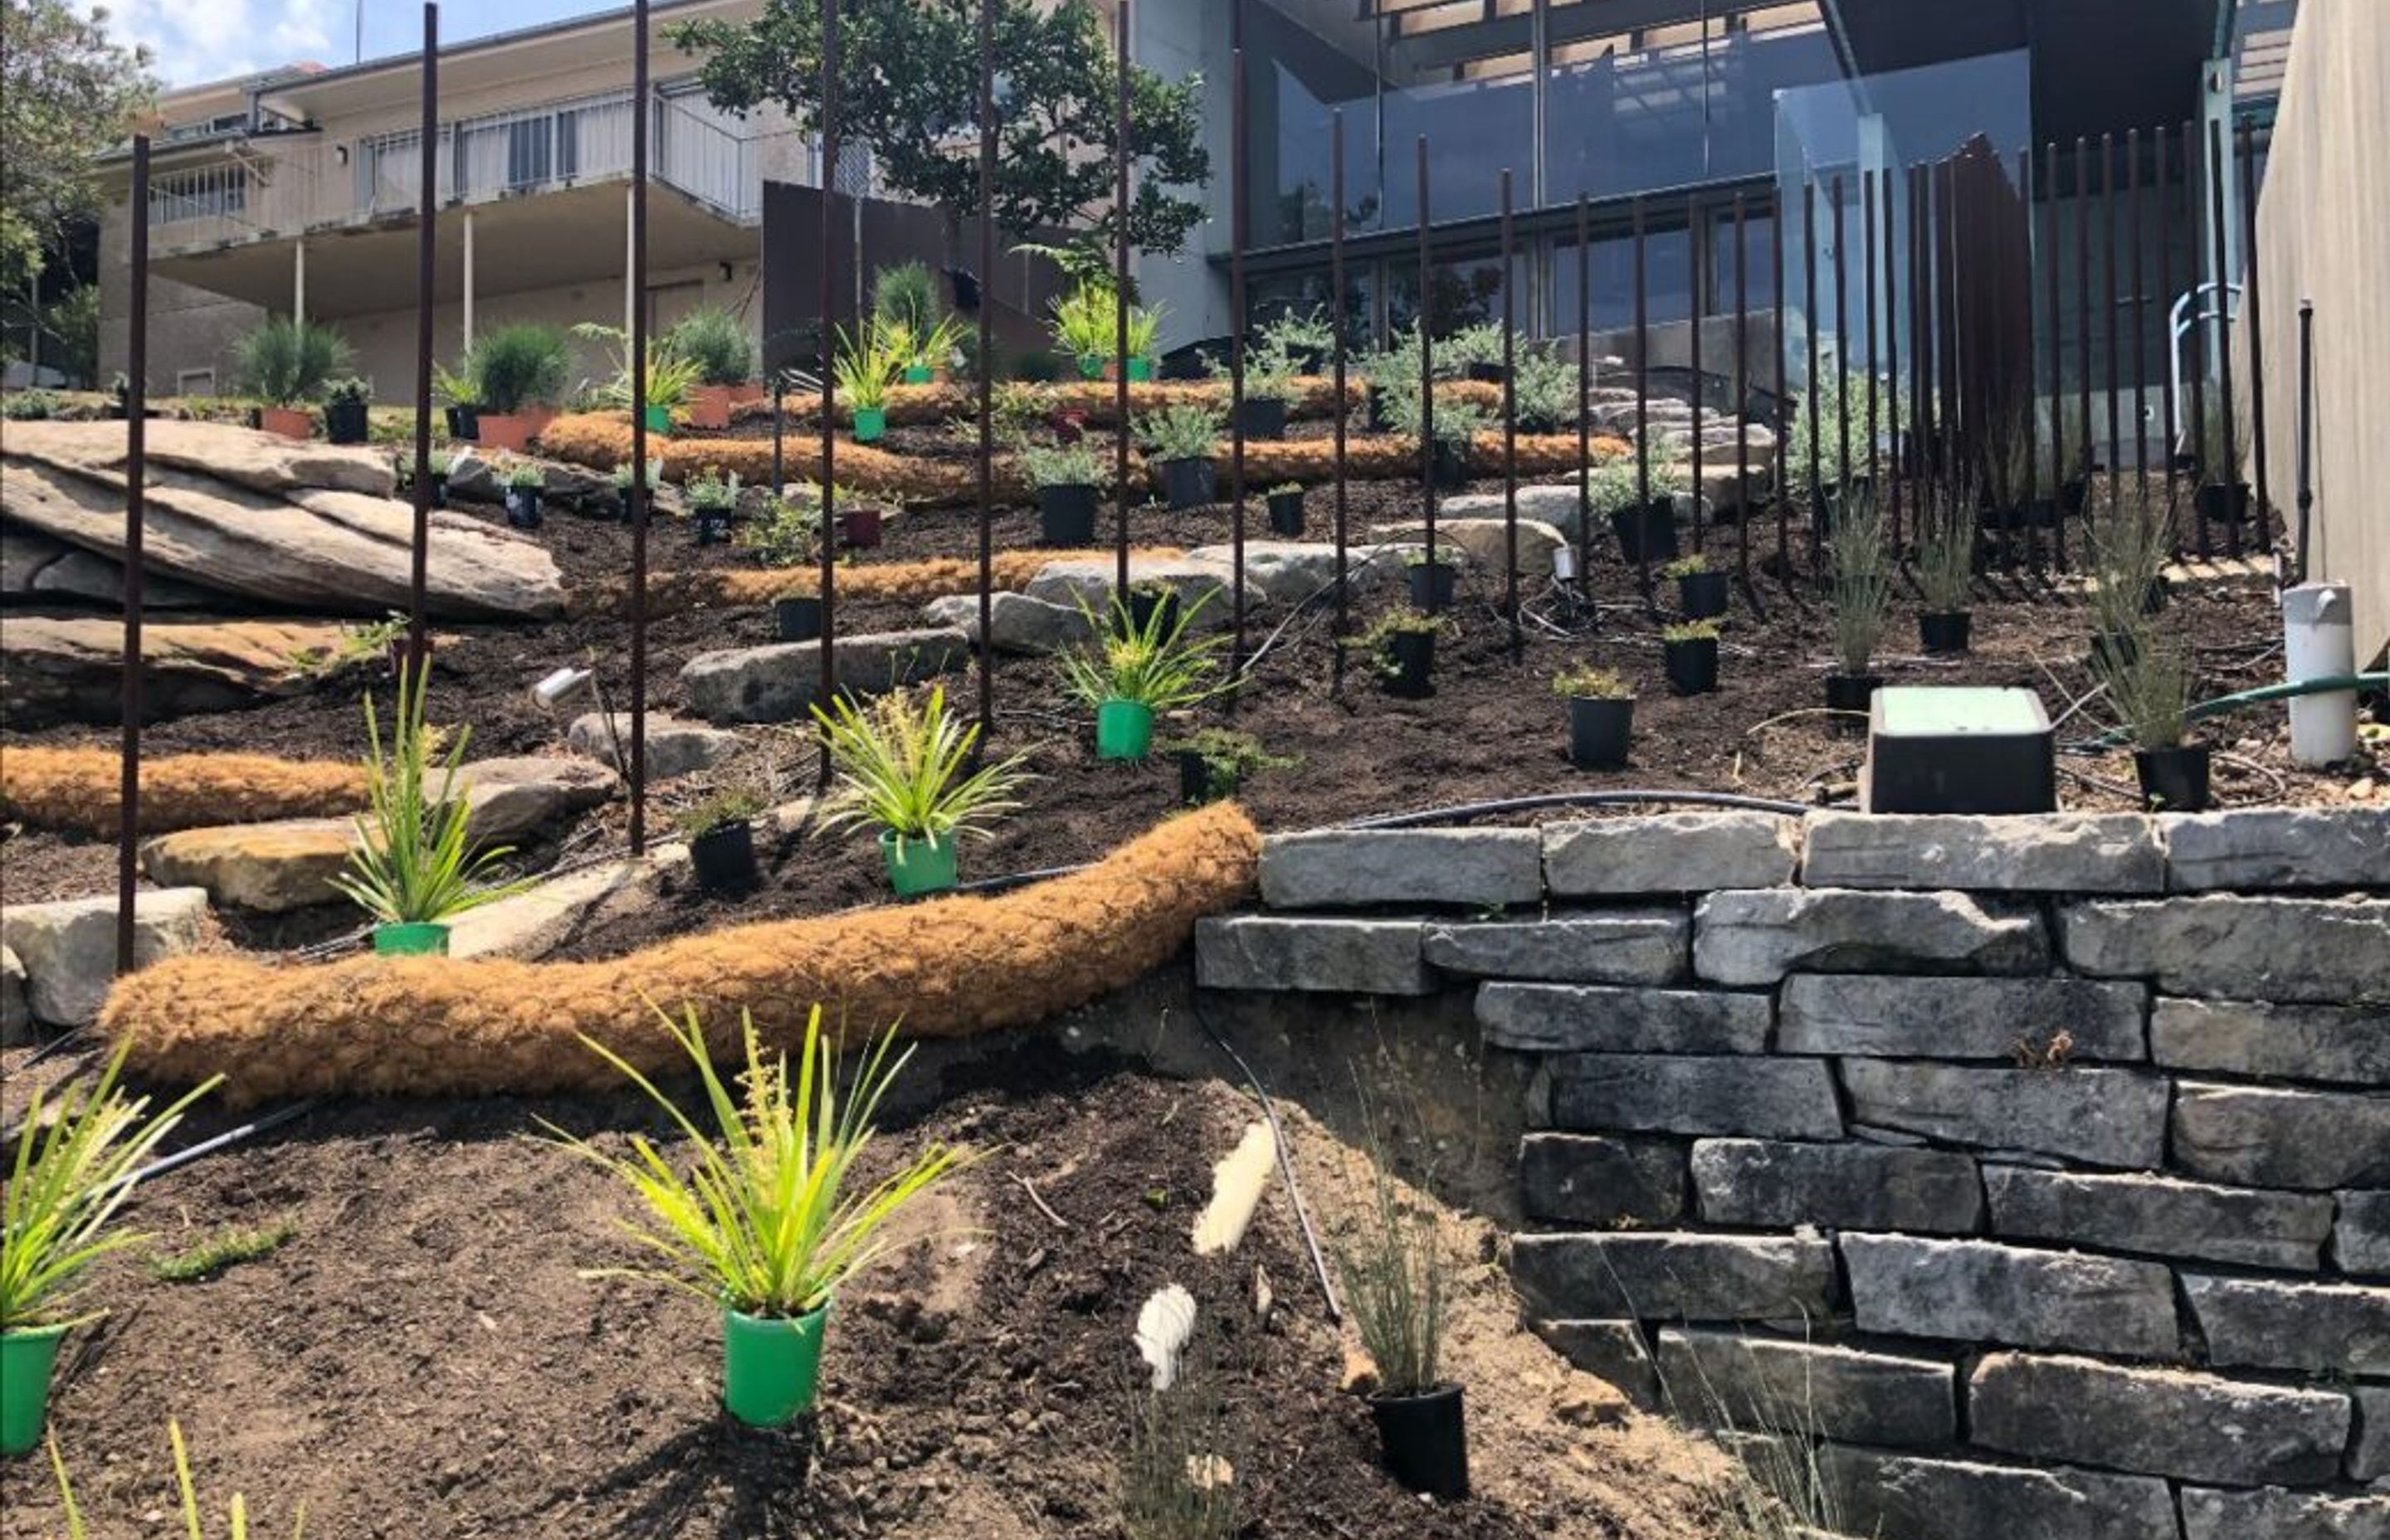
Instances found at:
x=1285 y=1163
x=1464 y=812
x=224 y=1140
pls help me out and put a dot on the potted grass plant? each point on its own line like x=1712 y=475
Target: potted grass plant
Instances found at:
x=1398 y=1278
x=1600 y=714
x=519 y=376
x=1946 y=571
x=622 y=477
x=1457 y=426
x=1700 y=589
x=345 y=417
x=1067 y=478
x=1861 y=599
x=866 y=368
x=2223 y=493
x=713 y=342
x=1269 y=384
x=1433 y=581
x=1215 y=763
x=670 y=378
x=720 y=835
x=1144 y=334
x=1404 y=644
x=1128 y=671
x=2149 y=688
x=1646 y=530
x=524 y=485
x=712 y=500
x=1689 y=653
x=766 y=1210
x=902 y=765
x=904 y=295
x=440 y=464
x=1179 y=438
x=455 y=390
x=286 y=363
x=1086 y=326
x=1286 y=510
x=77 y=1144
x=412 y=865
x=2129 y=552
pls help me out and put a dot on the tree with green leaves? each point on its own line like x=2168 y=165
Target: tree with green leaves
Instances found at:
x=908 y=87
x=67 y=93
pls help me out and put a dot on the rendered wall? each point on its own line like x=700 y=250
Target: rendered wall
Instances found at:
x=2323 y=233
x=2032 y=1174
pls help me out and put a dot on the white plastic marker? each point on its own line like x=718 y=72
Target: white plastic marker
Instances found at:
x=1163 y=1329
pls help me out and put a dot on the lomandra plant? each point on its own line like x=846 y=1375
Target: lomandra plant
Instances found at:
x=760 y=1211
x=414 y=861
x=903 y=764
x=1156 y=665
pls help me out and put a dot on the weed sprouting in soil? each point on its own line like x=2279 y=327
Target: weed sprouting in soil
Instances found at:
x=224 y=1249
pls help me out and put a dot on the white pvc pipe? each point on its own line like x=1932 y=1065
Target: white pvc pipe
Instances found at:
x=2319 y=642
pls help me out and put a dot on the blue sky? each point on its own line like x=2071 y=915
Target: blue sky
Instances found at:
x=205 y=39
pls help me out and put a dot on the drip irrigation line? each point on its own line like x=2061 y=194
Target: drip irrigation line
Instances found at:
x=1464 y=812
x=1285 y=1163
x=224 y=1140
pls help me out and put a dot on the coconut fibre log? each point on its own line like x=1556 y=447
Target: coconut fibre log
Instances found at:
x=892 y=581
x=429 y=1026
x=78 y=789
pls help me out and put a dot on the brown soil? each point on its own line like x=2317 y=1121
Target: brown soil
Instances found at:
x=422 y=1357
x=1493 y=729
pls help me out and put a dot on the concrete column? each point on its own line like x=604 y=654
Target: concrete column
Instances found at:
x=468 y=280
x=298 y=279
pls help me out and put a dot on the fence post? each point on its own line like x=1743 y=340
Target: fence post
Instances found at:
x=638 y=347
x=136 y=413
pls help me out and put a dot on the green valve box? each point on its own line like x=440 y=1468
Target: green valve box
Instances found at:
x=1946 y=749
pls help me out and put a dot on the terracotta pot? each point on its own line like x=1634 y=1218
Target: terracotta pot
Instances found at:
x=510 y=430
x=708 y=406
x=289 y=422
x=539 y=415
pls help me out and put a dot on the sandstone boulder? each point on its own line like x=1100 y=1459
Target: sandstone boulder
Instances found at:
x=63 y=668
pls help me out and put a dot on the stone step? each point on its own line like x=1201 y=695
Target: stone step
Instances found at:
x=67 y=949
x=780 y=681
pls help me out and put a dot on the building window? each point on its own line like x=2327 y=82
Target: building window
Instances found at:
x=213 y=193
x=195 y=382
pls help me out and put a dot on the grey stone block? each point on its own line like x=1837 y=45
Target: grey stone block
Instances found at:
x=1612 y=1019
x=2327 y=951
x=1981 y=1291
x=1757 y=937
x=1960 y=1017
x=2270 y=1137
x=674 y=748
x=1344 y=956
x=1582 y=1179
x=2253 y=1038
x=1907 y=1497
x=780 y=681
x=1331 y=868
x=2360 y=1241
x=2101 y=1117
x=2270 y=1513
x=68 y=948
x=1771 y=1184
x=1628 y=946
x=1671 y=853
x=2259 y=1323
x=2161 y=1215
x=1781 y=1098
x=1732 y=1380
x=16 y=1016
x=2279 y=847
x=2068 y=852
x=1675 y=1275
x=2369 y=1453
x=1019 y=623
x=1610 y=1351
x=2158 y=1422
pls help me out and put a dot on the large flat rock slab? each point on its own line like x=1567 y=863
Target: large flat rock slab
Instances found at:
x=263 y=462
x=68 y=949
x=56 y=668
x=2070 y=853
x=781 y=681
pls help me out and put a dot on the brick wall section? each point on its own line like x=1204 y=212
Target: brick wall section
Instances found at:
x=2037 y=1168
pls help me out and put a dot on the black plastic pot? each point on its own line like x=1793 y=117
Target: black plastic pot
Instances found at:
x=798 y=619
x=1376 y=419
x=1692 y=666
x=1263 y=419
x=1432 y=585
x=1066 y=516
x=1488 y=373
x=2074 y=496
x=1850 y=694
x=724 y=859
x=523 y=508
x=714 y=527
x=463 y=422
x=439 y=489
x=1945 y=633
x=1646 y=533
x=1286 y=514
x=1413 y=655
x=1190 y=483
x=2175 y=780
x=1600 y=731
x=344 y=421
x=1195 y=779
x=2224 y=504
x=1702 y=595
x=1143 y=603
x=1451 y=464
x=1425 y=1441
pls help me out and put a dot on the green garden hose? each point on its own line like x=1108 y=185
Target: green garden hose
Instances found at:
x=2328 y=684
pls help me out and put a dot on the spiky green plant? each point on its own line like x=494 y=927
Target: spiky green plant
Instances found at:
x=515 y=366
x=414 y=861
x=2130 y=549
x=868 y=364
x=1946 y=547
x=1862 y=580
x=1176 y=1480
x=1397 y=1280
x=2147 y=682
x=237 y=1516
x=1156 y=664
x=900 y=763
x=671 y=378
x=1085 y=321
x=758 y=1212
x=712 y=339
x=284 y=361
x=75 y=1152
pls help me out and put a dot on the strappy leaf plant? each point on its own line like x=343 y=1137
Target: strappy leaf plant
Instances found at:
x=75 y=1151
x=759 y=1208
x=1156 y=664
x=901 y=764
x=414 y=861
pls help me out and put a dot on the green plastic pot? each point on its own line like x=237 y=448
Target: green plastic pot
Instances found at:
x=920 y=374
x=870 y=423
x=659 y=420
x=27 y=1356
x=1140 y=370
x=1091 y=366
x=1124 y=729
x=919 y=865
x=411 y=940
x=771 y=1366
